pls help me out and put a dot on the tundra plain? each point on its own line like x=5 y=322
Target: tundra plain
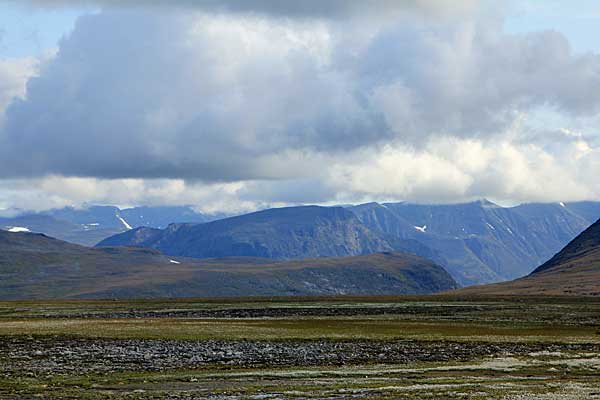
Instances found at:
x=302 y=348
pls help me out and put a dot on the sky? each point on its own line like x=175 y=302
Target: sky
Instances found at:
x=237 y=105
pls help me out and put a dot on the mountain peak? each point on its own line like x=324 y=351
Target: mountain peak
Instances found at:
x=485 y=203
x=575 y=270
x=280 y=233
x=589 y=240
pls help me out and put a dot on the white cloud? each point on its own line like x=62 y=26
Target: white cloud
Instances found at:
x=14 y=74
x=235 y=107
x=446 y=169
x=56 y=192
x=453 y=169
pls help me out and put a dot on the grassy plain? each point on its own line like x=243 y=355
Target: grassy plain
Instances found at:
x=299 y=348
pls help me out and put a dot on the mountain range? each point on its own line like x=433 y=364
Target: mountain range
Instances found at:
x=478 y=242
x=481 y=242
x=575 y=270
x=279 y=233
x=34 y=266
x=89 y=225
x=312 y=250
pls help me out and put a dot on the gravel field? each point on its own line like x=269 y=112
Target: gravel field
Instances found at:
x=59 y=355
x=410 y=349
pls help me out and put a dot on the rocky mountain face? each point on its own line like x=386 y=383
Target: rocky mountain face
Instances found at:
x=576 y=254
x=481 y=242
x=88 y=226
x=477 y=242
x=282 y=233
x=34 y=266
x=128 y=218
x=575 y=270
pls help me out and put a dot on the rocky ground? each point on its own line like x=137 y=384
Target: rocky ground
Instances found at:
x=276 y=312
x=42 y=356
x=77 y=351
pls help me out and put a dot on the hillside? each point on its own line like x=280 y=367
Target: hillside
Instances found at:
x=34 y=266
x=477 y=242
x=280 y=233
x=481 y=242
x=575 y=270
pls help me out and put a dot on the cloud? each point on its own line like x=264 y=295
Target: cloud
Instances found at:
x=277 y=8
x=445 y=170
x=450 y=169
x=149 y=95
x=57 y=191
x=170 y=104
x=14 y=74
x=142 y=94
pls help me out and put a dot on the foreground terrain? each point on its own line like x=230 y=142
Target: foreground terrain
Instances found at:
x=371 y=347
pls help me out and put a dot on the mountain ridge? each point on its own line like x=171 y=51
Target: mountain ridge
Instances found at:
x=481 y=242
x=280 y=233
x=89 y=225
x=35 y=266
x=575 y=270
x=477 y=242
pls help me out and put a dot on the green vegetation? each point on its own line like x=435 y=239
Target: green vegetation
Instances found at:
x=360 y=347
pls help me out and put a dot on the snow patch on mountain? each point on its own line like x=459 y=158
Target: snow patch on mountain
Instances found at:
x=124 y=222
x=16 y=229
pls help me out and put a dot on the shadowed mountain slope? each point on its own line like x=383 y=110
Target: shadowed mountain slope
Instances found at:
x=279 y=233
x=481 y=242
x=478 y=242
x=34 y=266
x=575 y=270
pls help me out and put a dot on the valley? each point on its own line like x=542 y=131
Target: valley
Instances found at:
x=575 y=270
x=383 y=325
x=299 y=200
x=328 y=348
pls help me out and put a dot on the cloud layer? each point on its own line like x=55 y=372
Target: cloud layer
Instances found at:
x=418 y=105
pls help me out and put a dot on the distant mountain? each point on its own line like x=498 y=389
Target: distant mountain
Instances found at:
x=89 y=225
x=478 y=242
x=575 y=270
x=576 y=254
x=34 y=266
x=481 y=242
x=85 y=234
x=279 y=233
x=128 y=218
x=162 y=216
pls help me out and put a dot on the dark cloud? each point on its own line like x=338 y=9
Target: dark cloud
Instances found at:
x=292 y=9
x=170 y=94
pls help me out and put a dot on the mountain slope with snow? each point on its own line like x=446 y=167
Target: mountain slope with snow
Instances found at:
x=575 y=271
x=481 y=242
